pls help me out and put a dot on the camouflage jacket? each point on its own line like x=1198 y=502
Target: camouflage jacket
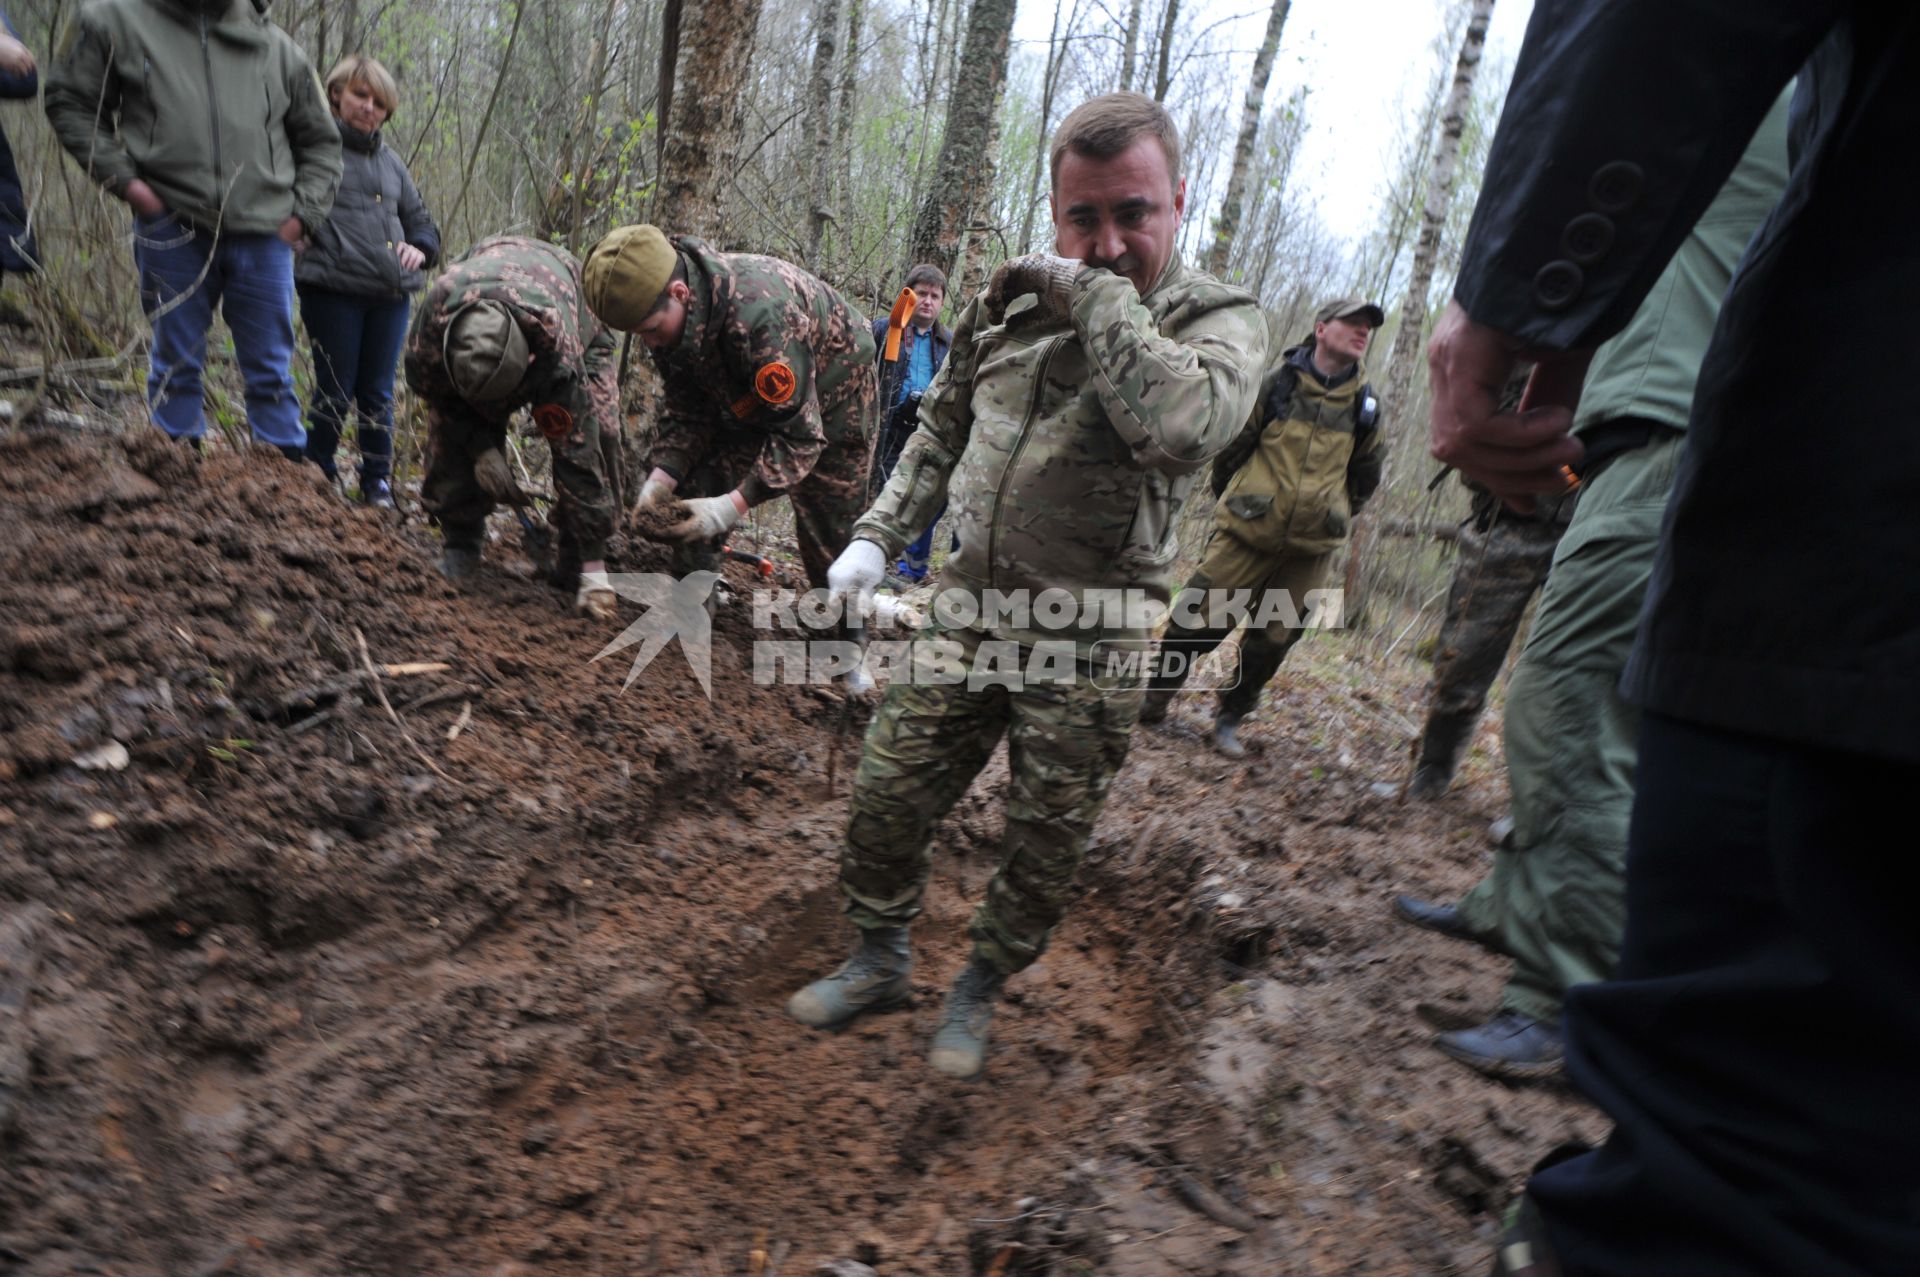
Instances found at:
x=766 y=346
x=1318 y=455
x=576 y=362
x=1068 y=449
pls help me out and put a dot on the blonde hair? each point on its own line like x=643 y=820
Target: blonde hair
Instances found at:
x=1100 y=128
x=357 y=68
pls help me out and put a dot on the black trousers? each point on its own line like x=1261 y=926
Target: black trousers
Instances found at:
x=1759 y=1050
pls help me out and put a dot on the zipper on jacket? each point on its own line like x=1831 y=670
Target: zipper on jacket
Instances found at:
x=213 y=120
x=1013 y=459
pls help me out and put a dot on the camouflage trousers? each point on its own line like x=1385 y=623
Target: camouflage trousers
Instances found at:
x=1065 y=743
x=825 y=503
x=587 y=481
x=1556 y=897
x=1494 y=578
x=1231 y=564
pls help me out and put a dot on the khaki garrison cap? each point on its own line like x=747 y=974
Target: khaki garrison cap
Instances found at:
x=625 y=274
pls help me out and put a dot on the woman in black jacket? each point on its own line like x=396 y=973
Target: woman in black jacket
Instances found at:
x=355 y=276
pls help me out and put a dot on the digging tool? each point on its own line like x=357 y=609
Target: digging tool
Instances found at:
x=762 y=566
x=858 y=681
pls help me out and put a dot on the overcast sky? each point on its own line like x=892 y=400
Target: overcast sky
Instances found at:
x=1364 y=62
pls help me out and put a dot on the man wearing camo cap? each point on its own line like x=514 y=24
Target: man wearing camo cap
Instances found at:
x=1289 y=488
x=506 y=328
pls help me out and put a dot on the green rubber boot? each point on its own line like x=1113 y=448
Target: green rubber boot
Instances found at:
x=960 y=1046
x=1226 y=735
x=872 y=979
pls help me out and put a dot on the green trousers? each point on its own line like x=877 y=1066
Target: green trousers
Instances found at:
x=1065 y=742
x=1556 y=897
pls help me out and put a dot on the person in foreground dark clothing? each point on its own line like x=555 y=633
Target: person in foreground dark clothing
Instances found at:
x=1755 y=1048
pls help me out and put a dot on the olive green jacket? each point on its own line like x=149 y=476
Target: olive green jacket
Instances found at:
x=210 y=104
x=1318 y=458
x=1067 y=449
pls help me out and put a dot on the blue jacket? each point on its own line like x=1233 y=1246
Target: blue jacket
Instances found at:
x=17 y=249
x=890 y=373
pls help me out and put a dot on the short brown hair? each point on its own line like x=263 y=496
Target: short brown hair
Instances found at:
x=357 y=68
x=1100 y=128
x=927 y=273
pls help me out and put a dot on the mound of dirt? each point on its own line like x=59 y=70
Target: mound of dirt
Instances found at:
x=355 y=922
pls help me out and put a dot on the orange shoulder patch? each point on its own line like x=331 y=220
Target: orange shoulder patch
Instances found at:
x=775 y=384
x=553 y=421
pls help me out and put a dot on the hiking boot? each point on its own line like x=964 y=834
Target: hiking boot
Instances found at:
x=1440 y=745
x=1430 y=780
x=458 y=562
x=377 y=493
x=1154 y=706
x=1446 y=920
x=960 y=1046
x=872 y=979
x=1226 y=734
x=1511 y=1045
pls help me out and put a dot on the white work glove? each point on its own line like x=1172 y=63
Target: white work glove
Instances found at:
x=658 y=487
x=1047 y=277
x=595 y=597
x=854 y=575
x=709 y=518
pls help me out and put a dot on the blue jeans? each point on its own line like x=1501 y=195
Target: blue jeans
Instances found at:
x=250 y=277
x=917 y=559
x=356 y=348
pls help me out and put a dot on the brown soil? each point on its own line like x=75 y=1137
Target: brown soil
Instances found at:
x=659 y=519
x=306 y=995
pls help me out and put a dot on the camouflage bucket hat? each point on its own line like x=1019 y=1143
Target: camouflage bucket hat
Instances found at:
x=486 y=353
x=1347 y=307
x=625 y=274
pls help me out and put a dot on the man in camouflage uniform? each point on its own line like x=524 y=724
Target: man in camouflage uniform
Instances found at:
x=1502 y=563
x=1082 y=394
x=505 y=328
x=1310 y=455
x=769 y=388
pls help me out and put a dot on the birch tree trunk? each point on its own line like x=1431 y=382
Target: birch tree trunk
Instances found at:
x=965 y=172
x=1056 y=51
x=1163 y=68
x=703 y=136
x=1228 y=224
x=1407 y=343
x=843 y=122
x=1131 y=48
x=1411 y=337
x=826 y=22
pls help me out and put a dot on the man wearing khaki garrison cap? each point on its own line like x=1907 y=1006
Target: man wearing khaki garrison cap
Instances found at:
x=503 y=329
x=1289 y=488
x=769 y=388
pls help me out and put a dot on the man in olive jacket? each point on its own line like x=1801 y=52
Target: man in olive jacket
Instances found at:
x=1083 y=394
x=1310 y=456
x=209 y=122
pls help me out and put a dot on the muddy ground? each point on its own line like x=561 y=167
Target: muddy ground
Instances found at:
x=294 y=985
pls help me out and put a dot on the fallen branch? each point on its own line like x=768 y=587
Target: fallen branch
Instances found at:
x=373 y=674
x=1211 y=1204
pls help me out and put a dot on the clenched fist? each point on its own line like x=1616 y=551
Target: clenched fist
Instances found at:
x=1047 y=277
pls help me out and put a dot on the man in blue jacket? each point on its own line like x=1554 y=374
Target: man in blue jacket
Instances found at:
x=1755 y=1046
x=924 y=342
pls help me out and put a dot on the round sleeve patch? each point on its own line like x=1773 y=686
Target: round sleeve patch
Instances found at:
x=553 y=421
x=775 y=383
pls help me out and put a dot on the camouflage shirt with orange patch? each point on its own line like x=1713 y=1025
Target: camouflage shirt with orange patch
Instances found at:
x=573 y=380
x=767 y=347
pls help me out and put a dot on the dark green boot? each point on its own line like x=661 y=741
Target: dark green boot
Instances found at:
x=1440 y=746
x=960 y=1047
x=1226 y=734
x=873 y=979
x=458 y=562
